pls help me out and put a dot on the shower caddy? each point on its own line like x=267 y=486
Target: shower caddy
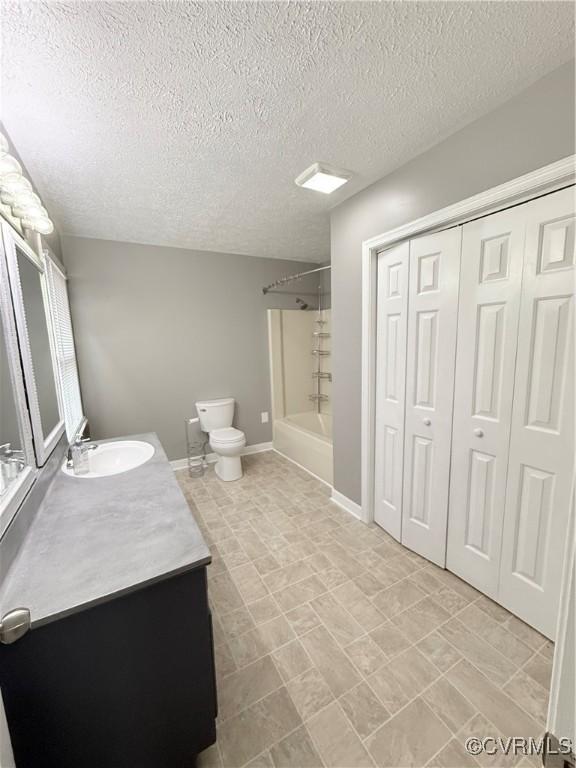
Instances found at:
x=318 y=374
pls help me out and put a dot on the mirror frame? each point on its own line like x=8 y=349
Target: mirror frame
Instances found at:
x=43 y=445
x=10 y=502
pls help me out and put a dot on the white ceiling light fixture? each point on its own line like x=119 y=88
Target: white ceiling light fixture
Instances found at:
x=16 y=192
x=323 y=178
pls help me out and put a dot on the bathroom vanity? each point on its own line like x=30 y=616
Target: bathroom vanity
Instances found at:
x=117 y=667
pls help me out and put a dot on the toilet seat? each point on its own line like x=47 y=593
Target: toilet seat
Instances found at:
x=227 y=436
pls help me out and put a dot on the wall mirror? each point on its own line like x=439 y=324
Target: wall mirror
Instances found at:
x=36 y=343
x=17 y=460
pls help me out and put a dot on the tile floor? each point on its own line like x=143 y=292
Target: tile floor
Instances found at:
x=336 y=646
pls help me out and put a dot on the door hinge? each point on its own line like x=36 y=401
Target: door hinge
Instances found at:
x=14 y=625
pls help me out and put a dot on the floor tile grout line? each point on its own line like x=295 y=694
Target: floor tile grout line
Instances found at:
x=412 y=700
x=443 y=747
x=497 y=730
x=498 y=687
x=286 y=735
x=316 y=667
x=330 y=536
x=262 y=698
x=442 y=674
x=499 y=625
x=523 y=669
x=411 y=645
x=276 y=743
x=518 y=704
x=495 y=686
x=363 y=678
x=367 y=633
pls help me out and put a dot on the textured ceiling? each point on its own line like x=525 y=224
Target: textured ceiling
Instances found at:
x=185 y=124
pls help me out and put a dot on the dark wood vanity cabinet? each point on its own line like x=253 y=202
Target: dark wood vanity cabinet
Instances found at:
x=128 y=683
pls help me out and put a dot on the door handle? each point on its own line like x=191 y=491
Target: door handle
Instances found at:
x=479 y=432
x=427 y=421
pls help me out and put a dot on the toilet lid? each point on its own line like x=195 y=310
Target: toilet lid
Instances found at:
x=227 y=435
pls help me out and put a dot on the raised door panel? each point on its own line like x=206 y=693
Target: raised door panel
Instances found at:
x=390 y=386
x=541 y=464
x=490 y=285
x=433 y=303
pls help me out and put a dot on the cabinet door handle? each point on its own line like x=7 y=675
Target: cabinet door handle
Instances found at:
x=427 y=421
x=479 y=432
x=14 y=625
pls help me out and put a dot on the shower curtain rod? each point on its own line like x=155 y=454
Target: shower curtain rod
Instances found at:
x=293 y=277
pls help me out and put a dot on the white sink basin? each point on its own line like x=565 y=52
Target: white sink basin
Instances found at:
x=114 y=458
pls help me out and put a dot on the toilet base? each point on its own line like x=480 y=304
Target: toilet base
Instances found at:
x=228 y=468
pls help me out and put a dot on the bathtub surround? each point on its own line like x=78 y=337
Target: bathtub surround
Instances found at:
x=190 y=325
x=302 y=430
x=514 y=139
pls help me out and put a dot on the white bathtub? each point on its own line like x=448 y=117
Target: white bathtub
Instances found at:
x=306 y=438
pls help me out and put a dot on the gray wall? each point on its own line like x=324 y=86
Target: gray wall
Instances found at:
x=158 y=328
x=531 y=130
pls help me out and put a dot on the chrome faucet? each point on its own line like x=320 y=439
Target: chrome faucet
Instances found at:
x=79 y=446
x=11 y=464
x=9 y=454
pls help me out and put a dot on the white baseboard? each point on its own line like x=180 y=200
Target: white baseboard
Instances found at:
x=211 y=458
x=346 y=504
x=257 y=448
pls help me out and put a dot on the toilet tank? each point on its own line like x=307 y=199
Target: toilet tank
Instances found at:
x=215 y=414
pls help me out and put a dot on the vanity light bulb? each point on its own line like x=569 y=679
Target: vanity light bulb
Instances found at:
x=26 y=211
x=14 y=189
x=31 y=210
x=41 y=224
x=25 y=198
x=15 y=182
x=9 y=165
x=7 y=198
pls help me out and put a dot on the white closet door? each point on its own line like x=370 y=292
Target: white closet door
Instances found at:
x=390 y=386
x=490 y=285
x=432 y=316
x=541 y=465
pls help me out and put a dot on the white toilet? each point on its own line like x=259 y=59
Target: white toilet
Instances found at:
x=226 y=442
